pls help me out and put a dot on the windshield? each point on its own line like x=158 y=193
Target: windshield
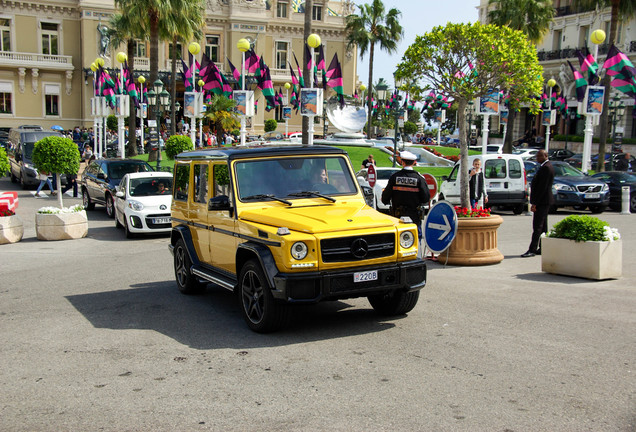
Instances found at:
x=566 y=170
x=625 y=178
x=150 y=186
x=259 y=180
x=117 y=170
x=385 y=174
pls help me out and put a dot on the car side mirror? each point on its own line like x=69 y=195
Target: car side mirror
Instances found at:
x=444 y=178
x=220 y=203
x=101 y=176
x=120 y=194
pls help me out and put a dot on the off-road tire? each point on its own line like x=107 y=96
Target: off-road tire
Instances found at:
x=186 y=281
x=394 y=302
x=261 y=312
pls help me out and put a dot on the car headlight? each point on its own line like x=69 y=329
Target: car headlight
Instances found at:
x=605 y=187
x=299 y=250
x=135 y=205
x=407 y=239
x=563 y=187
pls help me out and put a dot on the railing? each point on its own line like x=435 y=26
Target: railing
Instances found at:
x=568 y=53
x=35 y=60
x=169 y=65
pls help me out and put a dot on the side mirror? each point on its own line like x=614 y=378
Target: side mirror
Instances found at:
x=120 y=194
x=219 y=203
x=444 y=178
x=101 y=176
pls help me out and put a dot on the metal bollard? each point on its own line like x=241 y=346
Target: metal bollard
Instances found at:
x=625 y=198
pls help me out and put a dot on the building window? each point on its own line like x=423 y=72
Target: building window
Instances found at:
x=584 y=35
x=52 y=99
x=556 y=40
x=50 y=37
x=212 y=47
x=316 y=14
x=281 y=9
x=281 y=54
x=179 y=51
x=5 y=34
x=6 y=94
x=140 y=49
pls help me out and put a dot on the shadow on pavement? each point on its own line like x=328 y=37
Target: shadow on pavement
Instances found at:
x=552 y=278
x=213 y=320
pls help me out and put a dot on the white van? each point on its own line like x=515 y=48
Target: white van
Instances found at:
x=505 y=178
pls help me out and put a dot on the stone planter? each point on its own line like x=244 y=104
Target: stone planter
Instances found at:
x=591 y=260
x=475 y=242
x=62 y=226
x=11 y=229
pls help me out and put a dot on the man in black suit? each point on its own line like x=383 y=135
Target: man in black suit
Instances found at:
x=541 y=199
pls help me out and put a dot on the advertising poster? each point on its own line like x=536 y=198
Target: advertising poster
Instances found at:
x=489 y=103
x=548 y=118
x=593 y=104
x=311 y=101
x=503 y=116
x=287 y=113
x=189 y=104
x=121 y=105
x=440 y=116
x=244 y=102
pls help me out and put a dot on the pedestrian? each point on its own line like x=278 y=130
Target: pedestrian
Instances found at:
x=71 y=182
x=476 y=183
x=88 y=152
x=209 y=140
x=44 y=180
x=541 y=199
x=368 y=161
x=229 y=140
x=407 y=191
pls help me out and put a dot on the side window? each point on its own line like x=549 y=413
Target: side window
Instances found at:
x=200 y=183
x=181 y=182
x=495 y=168
x=515 y=168
x=453 y=175
x=221 y=180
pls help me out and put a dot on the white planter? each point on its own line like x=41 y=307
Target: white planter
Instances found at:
x=62 y=226
x=591 y=260
x=11 y=229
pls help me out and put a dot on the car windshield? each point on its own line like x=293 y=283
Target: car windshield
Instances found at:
x=264 y=179
x=385 y=174
x=150 y=186
x=117 y=170
x=625 y=177
x=566 y=170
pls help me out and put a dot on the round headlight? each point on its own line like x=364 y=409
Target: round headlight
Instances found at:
x=135 y=205
x=407 y=239
x=299 y=250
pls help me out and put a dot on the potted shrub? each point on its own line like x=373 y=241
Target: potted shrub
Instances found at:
x=11 y=226
x=270 y=125
x=59 y=155
x=582 y=246
x=178 y=144
x=475 y=242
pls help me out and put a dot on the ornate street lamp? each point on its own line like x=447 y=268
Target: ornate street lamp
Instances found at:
x=616 y=111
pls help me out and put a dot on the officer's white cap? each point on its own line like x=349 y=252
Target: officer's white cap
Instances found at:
x=407 y=155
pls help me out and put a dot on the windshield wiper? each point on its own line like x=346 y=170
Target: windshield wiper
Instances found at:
x=270 y=196
x=312 y=194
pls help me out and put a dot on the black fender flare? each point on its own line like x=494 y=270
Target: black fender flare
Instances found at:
x=247 y=250
x=183 y=232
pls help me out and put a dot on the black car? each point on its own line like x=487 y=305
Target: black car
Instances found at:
x=101 y=177
x=560 y=154
x=616 y=180
x=572 y=188
x=575 y=160
x=531 y=168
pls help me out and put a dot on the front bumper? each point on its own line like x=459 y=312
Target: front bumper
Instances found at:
x=142 y=222
x=324 y=285
x=570 y=198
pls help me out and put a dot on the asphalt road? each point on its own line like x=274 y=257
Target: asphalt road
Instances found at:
x=95 y=336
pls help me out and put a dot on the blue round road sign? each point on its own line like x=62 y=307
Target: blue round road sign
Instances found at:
x=440 y=227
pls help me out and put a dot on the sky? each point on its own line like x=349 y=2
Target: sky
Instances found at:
x=418 y=17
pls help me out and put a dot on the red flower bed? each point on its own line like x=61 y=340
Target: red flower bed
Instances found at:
x=476 y=212
x=4 y=213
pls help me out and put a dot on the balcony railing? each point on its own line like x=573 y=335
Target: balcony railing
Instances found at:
x=33 y=60
x=567 y=53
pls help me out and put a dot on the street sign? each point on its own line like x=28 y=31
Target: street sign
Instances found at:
x=371 y=175
x=440 y=227
x=431 y=182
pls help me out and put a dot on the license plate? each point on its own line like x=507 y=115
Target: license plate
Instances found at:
x=495 y=185
x=592 y=196
x=158 y=221
x=365 y=276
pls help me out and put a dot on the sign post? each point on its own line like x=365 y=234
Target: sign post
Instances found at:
x=371 y=178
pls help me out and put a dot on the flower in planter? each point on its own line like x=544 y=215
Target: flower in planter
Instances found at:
x=5 y=213
x=55 y=210
x=583 y=228
x=464 y=212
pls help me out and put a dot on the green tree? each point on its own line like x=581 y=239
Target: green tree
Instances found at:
x=178 y=144
x=111 y=122
x=221 y=114
x=54 y=154
x=410 y=128
x=466 y=61
x=270 y=125
x=622 y=10
x=374 y=26
x=4 y=163
x=532 y=17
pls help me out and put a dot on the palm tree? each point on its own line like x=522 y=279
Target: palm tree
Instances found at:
x=182 y=23
x=221 y=114
x=125 y=31
x=622 y=10
x=374 y=26
x=533 y=17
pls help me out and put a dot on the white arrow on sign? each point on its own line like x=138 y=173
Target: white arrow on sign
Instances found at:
x=446 y=228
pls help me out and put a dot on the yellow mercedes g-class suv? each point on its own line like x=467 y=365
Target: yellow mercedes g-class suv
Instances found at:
x=284 y=225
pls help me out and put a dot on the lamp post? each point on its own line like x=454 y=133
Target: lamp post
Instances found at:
x=158 y=97
x=200 y=112
x=397 y=111
x=101 y=121
x=287 y=87
x=142 y=115
x=381 y=91
x=243 y=45
x=121 y=106
x=94 y=101
x=551 y=84
x=314 y=41
x=617 y=111
x=194 y=48
x=597 y=38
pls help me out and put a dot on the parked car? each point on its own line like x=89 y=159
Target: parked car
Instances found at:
x=21 y=144
x=525 y=153
x=142 y=203
x=559 y=154
x=615 y=158
x=575 y=160
x=101 y=177
x=382 y=175
x=616 y=180
x=531 y=169
x=573 y=188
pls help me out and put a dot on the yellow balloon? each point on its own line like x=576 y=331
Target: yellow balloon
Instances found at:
x=141 y=79
x=93 y=67
x=121 y=57
x=243 y=45
x=287 y=86
x=597 y=37
x=99 y=62
x=314 y=40
x=551 y=82
x=363 y=87
x=194 y=48
x=201 y=83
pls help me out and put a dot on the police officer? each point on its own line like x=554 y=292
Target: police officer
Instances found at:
x=407 y=191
